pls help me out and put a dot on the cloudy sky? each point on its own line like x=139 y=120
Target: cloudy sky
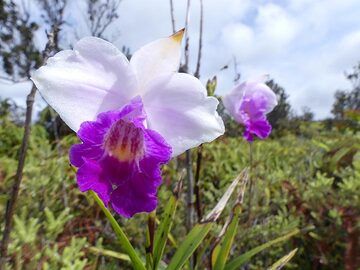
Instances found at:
x=305 y=45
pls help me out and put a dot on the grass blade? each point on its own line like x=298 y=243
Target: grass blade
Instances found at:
x=149 y=245
x=226 y=244
x=162 y=233
x=221 y=247
x=189 y=245
x=201 y=252
x=109 y=253
x=284 y=260
x=239 y=261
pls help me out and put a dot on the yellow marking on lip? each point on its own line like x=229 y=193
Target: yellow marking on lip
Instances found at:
x=124 y=141
x=123 y=153
x=178 y=36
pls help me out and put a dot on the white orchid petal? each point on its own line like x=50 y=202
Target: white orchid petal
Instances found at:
x=178 y=107
x=257 y=90
x=256 y=87
x=80 y=83
x=157 y=57
x=233 y=99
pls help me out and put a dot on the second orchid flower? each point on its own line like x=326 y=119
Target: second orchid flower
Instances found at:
x=249 y=103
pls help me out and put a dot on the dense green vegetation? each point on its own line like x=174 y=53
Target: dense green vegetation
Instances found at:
x=308 y=180
x=306 y=176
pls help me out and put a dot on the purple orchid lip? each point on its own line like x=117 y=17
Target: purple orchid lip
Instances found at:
x=253 y=114
x=120 y=159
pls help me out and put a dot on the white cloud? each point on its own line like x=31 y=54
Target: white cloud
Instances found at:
x=239 y=38
x=347 y=48
x=305 y=45
x=277 y=28
x=18 y=92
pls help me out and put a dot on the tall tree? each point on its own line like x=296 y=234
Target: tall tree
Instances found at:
x=100 y=15
x=53 y=16
x=19 y=57
x=281 y=112
x=348 y=100
x=18 y=52
x=307 y=114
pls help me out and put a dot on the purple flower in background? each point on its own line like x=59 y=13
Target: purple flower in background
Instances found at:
x=249 y=103
x=131 y=117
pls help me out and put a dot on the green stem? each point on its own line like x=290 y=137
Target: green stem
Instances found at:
x=124 y=241
x=250 y=180
x=150 y=240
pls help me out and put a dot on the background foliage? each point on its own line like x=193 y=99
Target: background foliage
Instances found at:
x=306 y=174
x=312 y=178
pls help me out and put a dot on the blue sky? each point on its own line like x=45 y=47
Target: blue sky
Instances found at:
x=304 y=45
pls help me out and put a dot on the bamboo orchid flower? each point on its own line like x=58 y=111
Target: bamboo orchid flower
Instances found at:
x=131 y=117
x=248 y=103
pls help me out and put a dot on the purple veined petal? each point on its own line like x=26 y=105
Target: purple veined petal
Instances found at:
x=252 y=108
x=179 y=109
x=79 y=84
x=248 y=135
x=132 y=111
x=259 y=127
x=117 y=172
x=158 y=152
x=124 y=168
x=135 y=184
x=85 y=151
x=156 y=146
x=89 y=178
x=92 y=132
x=134 y=196
x=156 y=58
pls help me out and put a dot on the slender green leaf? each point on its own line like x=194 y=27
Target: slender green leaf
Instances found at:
x=149 y=246
x=109 y=253
x=200 y=253
x=199 y=231
x=215 y=253
x=217 y=210
x=226 y=244
x=221 y=246
x=124 y=241
x=239 y=261
x=189 y=245
x=162 y=232
x=171 y=238
x=284 y=260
